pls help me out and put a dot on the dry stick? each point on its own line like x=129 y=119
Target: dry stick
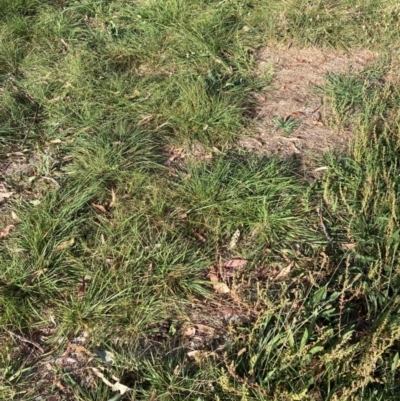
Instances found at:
x=31 y=126
x=321 y=104
x=324 y=227
x=25 y=340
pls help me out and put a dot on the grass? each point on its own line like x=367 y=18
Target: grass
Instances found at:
x=288 y=125
x=115 y=242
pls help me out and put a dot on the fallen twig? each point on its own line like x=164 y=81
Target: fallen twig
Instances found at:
x=25 y=340
x=324 y=227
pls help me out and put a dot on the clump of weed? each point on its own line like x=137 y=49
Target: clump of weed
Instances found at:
x=288 y=125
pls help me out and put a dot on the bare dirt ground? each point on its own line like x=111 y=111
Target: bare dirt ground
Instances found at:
x=292 y=95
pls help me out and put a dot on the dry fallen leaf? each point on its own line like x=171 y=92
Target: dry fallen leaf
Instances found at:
x=221 y=288
x=113 y=199
x=5 y=231
x=231 y=315
x=4 y=195
x=192 y=354
x=175 y=153
x=189 y=332
x=242 y=351
x=213 y=277
x=296 y=113
x=178 y=151
x=285 y=271
x=260 y=98
x=295 y=148
x=348 y=246
x=100 y=208
x=199 y=237
x=117 y=386
x=228 y=313
x=202 y=328
x=77 y=349
x=65 y=244
x=235 y=263
x=15 y=217
x=74 y=350
x=59 y=385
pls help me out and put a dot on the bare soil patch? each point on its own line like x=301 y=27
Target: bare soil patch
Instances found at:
x=292 y=95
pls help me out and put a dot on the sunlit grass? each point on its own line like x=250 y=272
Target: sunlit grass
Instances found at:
x=114 y=244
